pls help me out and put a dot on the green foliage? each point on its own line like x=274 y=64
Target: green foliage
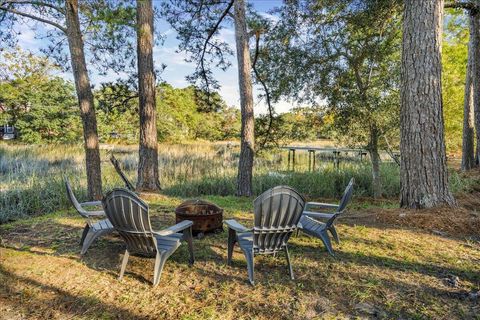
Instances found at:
x=197 y=31
x=117 y=111
x=326 y=182
x=182 y=117
x=299 y=124
x=348 y=63
x=40 y=105
x=454 y=64
x=106 y=25
x=43 y=107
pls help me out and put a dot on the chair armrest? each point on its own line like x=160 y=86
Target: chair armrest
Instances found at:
x=91 y=203
x=318 y=215
x=234 y=225
x=95 y=213
x=322 y=205
x=185 y=224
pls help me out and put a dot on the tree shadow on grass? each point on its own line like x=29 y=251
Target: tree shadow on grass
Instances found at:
x=58 y=239
x=316 y=250
x=271 y=273
x=62 y=301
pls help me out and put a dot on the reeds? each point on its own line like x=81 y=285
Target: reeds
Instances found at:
x=31 y=176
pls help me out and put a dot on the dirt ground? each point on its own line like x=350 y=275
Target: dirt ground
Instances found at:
x=461 y=222
x=390 y=264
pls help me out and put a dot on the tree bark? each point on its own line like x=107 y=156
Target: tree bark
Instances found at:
x=245 y=165
x=475 y=35
x=468 y=141
x=375 y=158
x=423 y=171
x=85 y=100
x=148 y=149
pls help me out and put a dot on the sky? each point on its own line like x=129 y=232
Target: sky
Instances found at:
x=177 y=69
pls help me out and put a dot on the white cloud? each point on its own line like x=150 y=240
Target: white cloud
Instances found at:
x=269 y=16
x=226 y=35
x=169 y=56
x=230 y=94
x=26 y=38
x=169 y=32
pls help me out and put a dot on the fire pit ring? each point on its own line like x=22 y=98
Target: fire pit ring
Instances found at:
x=206 y=216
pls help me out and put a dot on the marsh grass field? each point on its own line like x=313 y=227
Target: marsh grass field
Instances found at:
x=32 y=176
x=390 y=263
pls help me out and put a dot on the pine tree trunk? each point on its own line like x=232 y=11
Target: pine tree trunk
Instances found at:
x=468 y=141
x=423 y=171
x=245 y=165
x=148 y=150
x=85 y=100
x=375 y=158
x=475 y=35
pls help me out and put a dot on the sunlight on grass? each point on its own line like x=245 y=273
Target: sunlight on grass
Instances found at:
x=398 y=272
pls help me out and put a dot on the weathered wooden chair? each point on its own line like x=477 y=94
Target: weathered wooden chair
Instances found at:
x=129 y=216
x=277 y=212
x=93 y=229
x=310 y=224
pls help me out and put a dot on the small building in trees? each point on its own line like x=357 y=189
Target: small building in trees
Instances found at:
x=7 y=132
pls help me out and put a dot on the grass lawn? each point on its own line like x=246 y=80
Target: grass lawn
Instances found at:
x=384 y=268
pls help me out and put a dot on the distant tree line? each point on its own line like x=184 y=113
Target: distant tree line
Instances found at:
x=43 y=107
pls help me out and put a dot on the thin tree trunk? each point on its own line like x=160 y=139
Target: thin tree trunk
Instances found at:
x=468 y=141
x=148 y=150
x=245 y=165
x=423 y=171
x=375 y=158
x=85 y=100
x=475 y=34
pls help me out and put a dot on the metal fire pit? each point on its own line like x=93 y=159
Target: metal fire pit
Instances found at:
x=206 y=216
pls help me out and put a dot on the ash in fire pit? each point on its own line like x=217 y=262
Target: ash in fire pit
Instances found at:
x=206 y=216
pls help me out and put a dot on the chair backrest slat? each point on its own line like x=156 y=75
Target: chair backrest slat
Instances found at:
x=347 y=196
x=129 y=215
x=73 y=199
x=277 y=212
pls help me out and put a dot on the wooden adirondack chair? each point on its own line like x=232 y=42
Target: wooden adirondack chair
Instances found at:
x=93 y=229
x=277 y=212
x=129 y=216
x=310 y=224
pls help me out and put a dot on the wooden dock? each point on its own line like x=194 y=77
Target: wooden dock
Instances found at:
x=361 y=153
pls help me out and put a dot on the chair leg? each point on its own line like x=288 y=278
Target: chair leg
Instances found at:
x=290 y=269
x=334 y=233
x=160 y=260
x=250 y=266
x=187 y=235
x=124 y=264
x=89 y=238
x=232 y=238
x=326 y=241
x=84 y=234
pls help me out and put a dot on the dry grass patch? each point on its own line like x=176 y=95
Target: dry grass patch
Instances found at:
x=382 y=270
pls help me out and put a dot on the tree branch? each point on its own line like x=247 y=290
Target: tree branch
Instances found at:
x=34 y=17
x=461 y=5
x=38 y=3
x=265 y=88
x=207 y=40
